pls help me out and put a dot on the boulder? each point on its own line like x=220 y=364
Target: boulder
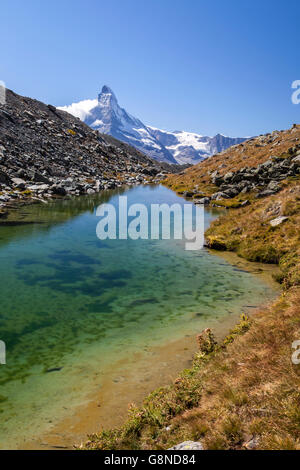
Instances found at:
x=228 y=177
x=266 y=193
x=274 y=186
x=231 y=192
x=188 y=445
x=278 y=221
x=4 y=178
x=19 y=183
x=217 y=180
x=58 y=189
x=251 y=444
x=151 y=171
x=296 y=160
x=39 y=178
x=203 y=200
x=220 y=195
x=39 y=187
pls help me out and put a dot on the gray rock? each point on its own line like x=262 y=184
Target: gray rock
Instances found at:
x=278 y=221
x=274 y=186
x=19 y=183
x=59 y=190
x=267 y=164
x=266 y=193
x=214 y=174
x=245 y=203
x=220 y=195
x=39 y=187
x=228 y=176
x=251 y=444
x=39 y=178
x=296 y=160
x=231 y=192
x=203 y=200
x=217 y=180
x=4 y=178
x=188 y=445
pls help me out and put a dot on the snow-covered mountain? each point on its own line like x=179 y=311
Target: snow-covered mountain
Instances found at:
x=188 y=147
x=108 y=117
x=182 y=147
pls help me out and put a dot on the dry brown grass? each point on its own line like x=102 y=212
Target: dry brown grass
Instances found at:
x=253 y=388
x=249 y=233
x=248 y=154
x=244 y=390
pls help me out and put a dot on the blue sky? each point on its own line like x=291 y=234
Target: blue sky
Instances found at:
x=202 y=66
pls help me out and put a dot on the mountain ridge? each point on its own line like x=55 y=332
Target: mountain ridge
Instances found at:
x=108 y=117
x=47 y=153
x=178 y=147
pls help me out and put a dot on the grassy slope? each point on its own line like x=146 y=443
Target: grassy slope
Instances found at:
x=247 y=386
x=250 y=153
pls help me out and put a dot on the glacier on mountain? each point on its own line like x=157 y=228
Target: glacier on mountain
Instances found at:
x=105 y=114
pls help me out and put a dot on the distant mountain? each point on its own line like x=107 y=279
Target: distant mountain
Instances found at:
x=188 y=147
x=108 y=117
x=181 y=147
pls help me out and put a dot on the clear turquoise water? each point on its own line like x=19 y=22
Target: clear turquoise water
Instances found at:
x=70 y=301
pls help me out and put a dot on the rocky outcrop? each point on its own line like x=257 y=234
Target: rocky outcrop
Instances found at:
x=45 y=152
x=265 y=179
x=243 y=167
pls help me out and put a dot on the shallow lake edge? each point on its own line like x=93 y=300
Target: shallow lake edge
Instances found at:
x=263 y=271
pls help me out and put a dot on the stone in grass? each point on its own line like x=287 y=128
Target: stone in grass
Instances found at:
x=188 y=445
x=251 y=444
x=278 y=221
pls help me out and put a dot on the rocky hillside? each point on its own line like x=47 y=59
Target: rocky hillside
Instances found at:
x=45 y=152
x=255 y=168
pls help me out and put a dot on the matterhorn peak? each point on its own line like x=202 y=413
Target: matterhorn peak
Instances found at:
x=181 y=147
x=106 y=89
x=107 y=95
